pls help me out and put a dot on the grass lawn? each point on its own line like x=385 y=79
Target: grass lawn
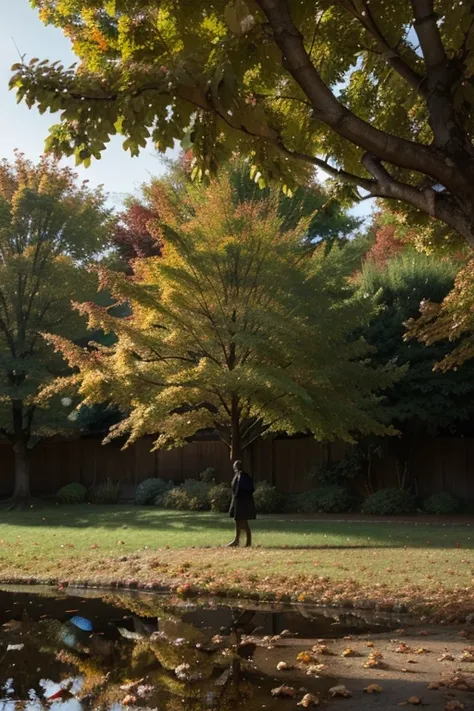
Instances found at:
x=425 y=568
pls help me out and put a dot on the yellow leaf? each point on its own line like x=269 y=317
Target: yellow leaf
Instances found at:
x=348 y=652
x=309 y=700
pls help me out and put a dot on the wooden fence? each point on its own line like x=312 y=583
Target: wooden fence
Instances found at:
x=437 y=464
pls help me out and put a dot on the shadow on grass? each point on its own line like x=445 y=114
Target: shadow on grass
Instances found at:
x=362 y=535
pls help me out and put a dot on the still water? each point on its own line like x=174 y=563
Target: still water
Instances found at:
x=72 y=651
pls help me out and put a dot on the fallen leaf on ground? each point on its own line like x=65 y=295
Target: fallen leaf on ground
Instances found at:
x=422 y=650
x=454 y=705
x=434 y=685
x=374 y=661
x=370 y=644
x=373 y=689
x=309 y=700
x=284 y=691
x=340 y=691
x=349 y=652
x=316 y=669
x=321 y=649
x=461 y=682
x=403 y=648
x=305 y=658
x=284 y=666
x=446 y=657
x=414 y=700
x=467 y=655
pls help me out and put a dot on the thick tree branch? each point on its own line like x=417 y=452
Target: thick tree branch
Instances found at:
x=428 y=33
x=443 y=73
x=389 y=53
x=428 y=200
x=327 y=108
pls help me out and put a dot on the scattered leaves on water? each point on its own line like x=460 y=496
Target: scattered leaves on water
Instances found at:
x=129 y=700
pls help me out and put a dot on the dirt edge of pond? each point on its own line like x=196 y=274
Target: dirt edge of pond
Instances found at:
x=448 y=607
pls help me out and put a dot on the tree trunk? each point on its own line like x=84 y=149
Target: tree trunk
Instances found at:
x=235 y=434
x=22 y=470
x=22 y=455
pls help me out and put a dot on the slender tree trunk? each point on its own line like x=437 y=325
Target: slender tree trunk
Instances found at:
x=22 y=456
x=235 y=438
x=22 y=470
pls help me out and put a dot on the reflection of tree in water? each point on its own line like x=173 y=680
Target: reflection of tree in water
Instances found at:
x=176 y=667
x=33 y=659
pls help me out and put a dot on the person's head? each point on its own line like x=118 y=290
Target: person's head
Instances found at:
x=238 y=467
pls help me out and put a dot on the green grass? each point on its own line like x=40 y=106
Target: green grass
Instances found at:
x=104 y=544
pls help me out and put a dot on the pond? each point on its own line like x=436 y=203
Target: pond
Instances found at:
x=74 y=650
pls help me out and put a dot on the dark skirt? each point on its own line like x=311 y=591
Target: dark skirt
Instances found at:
x=242 y=508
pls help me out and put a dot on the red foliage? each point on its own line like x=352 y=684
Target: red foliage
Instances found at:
x=136 y=234
x=386 y=246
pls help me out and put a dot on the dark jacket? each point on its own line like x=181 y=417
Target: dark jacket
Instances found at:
x=242 y=507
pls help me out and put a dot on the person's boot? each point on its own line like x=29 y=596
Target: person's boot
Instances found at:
x=248 y=543
x=235 y=543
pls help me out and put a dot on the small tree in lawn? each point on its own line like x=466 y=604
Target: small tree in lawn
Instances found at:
x=237 y=328
x=49 y=228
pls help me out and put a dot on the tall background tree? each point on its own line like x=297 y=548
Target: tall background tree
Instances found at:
x=50 y=228
x=377 y=94
x=237 y=328
x=137 y=231
x=424 y=402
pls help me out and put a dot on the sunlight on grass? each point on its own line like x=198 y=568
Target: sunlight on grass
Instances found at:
x=105 y=544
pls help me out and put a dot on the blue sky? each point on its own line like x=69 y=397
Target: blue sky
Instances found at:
x=27 y=129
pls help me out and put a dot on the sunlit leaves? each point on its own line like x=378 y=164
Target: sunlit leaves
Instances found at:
x=51 y=226
x=236 y=310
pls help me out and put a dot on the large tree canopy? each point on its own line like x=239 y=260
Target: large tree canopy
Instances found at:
x=377 y=93
x=237 y=328
x=50 y=228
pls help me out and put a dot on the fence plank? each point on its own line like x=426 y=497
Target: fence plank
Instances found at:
x=436 y=464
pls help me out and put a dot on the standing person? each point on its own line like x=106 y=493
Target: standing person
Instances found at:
x=242 y=508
